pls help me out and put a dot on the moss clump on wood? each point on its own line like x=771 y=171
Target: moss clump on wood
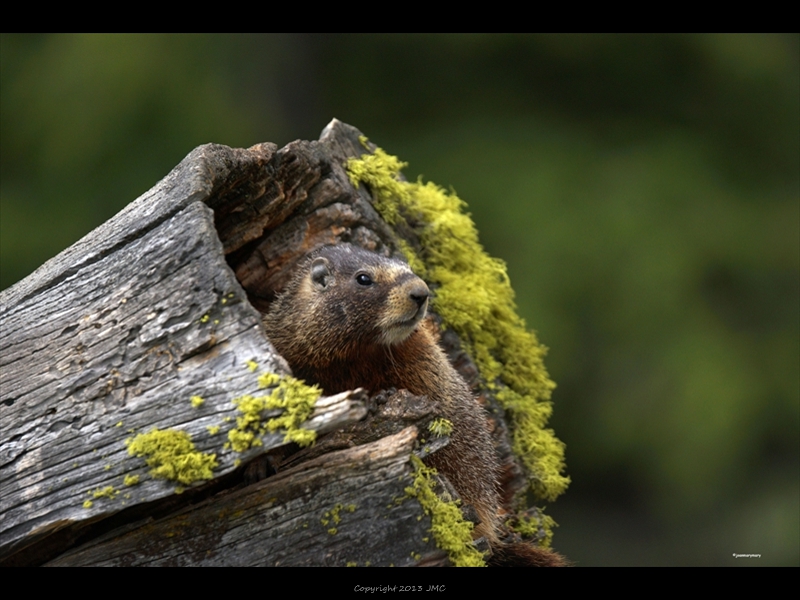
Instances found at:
x=131 y=480
x=450 y=531
x=535 y=526
x=440 y=427
x=332 y=516
x=106 y=492
x=292 y=395
x=475 y=299
x=171 y=454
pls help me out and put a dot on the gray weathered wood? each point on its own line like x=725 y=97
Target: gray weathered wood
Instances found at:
x=343 y=508
x=203 y=176
x=128 y=340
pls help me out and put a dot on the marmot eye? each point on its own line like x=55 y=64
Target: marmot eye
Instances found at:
x=363 y=279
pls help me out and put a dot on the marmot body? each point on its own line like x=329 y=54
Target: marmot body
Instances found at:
x=351 y=318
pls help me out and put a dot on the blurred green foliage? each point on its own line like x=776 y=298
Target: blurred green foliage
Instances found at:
x=644 y=190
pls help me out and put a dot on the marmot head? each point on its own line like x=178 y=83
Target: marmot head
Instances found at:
x=344 y=300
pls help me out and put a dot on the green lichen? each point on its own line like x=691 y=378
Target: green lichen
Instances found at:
x=248 y=426
x=267 y=380
x=196 y=401
x=452 y=533
x=107 y=492
x=131 y=480
x=292 y=395
x=252 y=365
x=171 y=454
x=333 y=514
x=475 y=299
x=440 y=427
x=212 y=429
x=88 y=504
x=535 y=526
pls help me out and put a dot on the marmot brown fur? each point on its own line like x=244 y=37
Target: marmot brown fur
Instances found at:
x=351 y=318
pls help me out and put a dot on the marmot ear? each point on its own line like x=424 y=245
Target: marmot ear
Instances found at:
x=320 y=272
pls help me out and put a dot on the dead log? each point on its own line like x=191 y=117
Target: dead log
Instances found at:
x=152 y=321
x=278 y=522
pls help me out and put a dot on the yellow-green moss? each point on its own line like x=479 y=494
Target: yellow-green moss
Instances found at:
x=171 y=454
x=131 y=480
x=196 y=401
x=440 y=427
x=474 y=298
x=537 y=527
x=333 y=514
x=252 y=365
x=88 y=504
x=267 y=380
x=212 y=429
x=292 y=395
x=452 y=533
x=107 y=492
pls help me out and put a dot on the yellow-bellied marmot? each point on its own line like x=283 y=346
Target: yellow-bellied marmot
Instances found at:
x=352 y=318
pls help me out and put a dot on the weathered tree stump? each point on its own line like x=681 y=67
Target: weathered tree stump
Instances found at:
x=152 y=321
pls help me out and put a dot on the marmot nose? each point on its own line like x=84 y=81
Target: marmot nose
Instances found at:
x=419 y=294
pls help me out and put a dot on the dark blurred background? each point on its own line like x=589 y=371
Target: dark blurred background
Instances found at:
x=644 y=190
